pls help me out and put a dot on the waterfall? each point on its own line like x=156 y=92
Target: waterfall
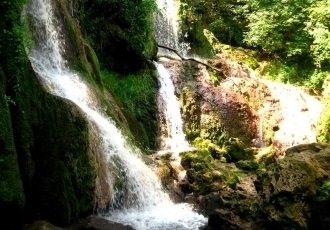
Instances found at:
x=139 y=199
x=167 y=30
x=167 y=33
x=299 y=115
x=169 y=106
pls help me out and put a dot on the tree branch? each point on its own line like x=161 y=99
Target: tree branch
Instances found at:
x=195 y=60
x=190 y=59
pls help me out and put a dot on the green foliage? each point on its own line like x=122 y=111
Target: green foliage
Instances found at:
x=282 y=71
x=224 y=18
x=325 y=192
x=136 y=93
x=323 y=134
x=121 y=31
x=316 y=79
x=318 y=27
x=292 y=37
x=301 y=72
x=278 y=26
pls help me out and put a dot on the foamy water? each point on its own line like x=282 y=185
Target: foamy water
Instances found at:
x=169 y=106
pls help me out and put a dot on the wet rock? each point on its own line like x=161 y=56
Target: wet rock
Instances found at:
x=223 y=219
x=42 y=225
x=233 y=208
x=98 y=223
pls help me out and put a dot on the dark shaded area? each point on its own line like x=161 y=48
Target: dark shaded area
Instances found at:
x=120 y=32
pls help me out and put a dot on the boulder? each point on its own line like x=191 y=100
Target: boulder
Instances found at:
x=291 y=193
x=294 y=190
x=98 y=223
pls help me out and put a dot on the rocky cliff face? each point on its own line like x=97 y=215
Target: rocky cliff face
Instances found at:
x=242 y=126
x=46 y=164
x=45 y=150
x=292 y=193
x=236 y=103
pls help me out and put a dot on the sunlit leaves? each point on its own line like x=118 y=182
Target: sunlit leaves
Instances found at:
x=318 y=27
x=278 y=26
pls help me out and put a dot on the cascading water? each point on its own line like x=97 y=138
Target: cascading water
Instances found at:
x=140 y=198
x=166 y=24
x=300 y=113
x=167 y=27
x=175 y=141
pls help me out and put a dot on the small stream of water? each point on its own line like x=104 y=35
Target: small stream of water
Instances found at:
x=167 y=27
x=299 y=114
x=169 y=106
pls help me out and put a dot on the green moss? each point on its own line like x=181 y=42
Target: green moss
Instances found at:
x=79 y=53
x=236 y=150
x=202 y=143
x=11 y=189
x=323 y=134
x=136 y=93
x=51 y=139
x=120 y=31
x=324 y=192
x=6 y=135
x=218 y=153
x=232 y=178
x=212 y=129
x=249 y=165
x=191 y=112
x=199 y=160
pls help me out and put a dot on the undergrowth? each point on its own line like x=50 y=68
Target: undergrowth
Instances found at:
x=136 y=95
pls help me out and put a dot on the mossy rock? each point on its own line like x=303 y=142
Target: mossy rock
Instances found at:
x=212 y=129
x=218 y=153
x=121 y=32
x=42 y=225
x=236 y=150
x=292 y=188
x=205 y=174
x=191 y=112
x=249 y=165
x=199 y=159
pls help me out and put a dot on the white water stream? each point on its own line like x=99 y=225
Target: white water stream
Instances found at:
x=300 y=113
x=173 y=138
x=143 y=204
x=169 y=106
x=167 y=30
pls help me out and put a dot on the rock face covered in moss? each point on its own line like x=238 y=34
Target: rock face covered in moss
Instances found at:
x=120 y=31
x=52 y=148
x=212 y=108
x=234 y=102
x=45 y=161
x=292 y=193
x=323 y=128
x=295 y=190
